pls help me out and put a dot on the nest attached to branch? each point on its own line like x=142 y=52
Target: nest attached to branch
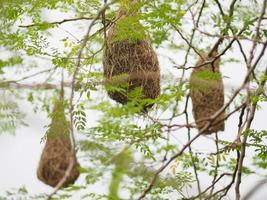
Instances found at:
x=130 y=62
x=207 y=93
x=57 y=153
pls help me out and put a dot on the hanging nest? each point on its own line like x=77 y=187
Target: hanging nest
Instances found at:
x=130 y=62
x=57 y=153
x=207 y=93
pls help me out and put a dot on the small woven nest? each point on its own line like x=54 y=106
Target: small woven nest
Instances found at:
x=57 y=153
x=207 y=94
x=130 y=63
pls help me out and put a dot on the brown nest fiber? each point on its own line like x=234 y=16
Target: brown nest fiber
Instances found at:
x=57 y=153
x=207 y=93
x=130 y=62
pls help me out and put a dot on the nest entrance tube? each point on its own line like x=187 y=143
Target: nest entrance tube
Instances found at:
x=207 y=93
x=130 y=62
x=57 y=153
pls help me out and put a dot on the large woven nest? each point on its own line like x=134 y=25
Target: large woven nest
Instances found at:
x=57 y=153
x=207 y=94
x=130 y=63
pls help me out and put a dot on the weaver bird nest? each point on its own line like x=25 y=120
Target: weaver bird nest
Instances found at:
x=207 y=93
x=130 y=62
x=57 y=153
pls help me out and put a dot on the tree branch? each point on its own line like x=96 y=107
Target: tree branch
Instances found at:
x=56 y=22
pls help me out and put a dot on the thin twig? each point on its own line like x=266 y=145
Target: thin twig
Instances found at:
x=209 y=187
x=30 y=76
x=217 y=163
x=254 y=189
x=190 y=148
x=56 y=22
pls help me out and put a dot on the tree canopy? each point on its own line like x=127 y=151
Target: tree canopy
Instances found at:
x=151 y=146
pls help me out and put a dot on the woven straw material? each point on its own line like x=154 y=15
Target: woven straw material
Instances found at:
x=57 y=153
x=207 y=94
x=130 y=63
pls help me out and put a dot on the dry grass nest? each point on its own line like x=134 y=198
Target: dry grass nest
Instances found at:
x=57 y=153
x=130 y=63
x=207 y=94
